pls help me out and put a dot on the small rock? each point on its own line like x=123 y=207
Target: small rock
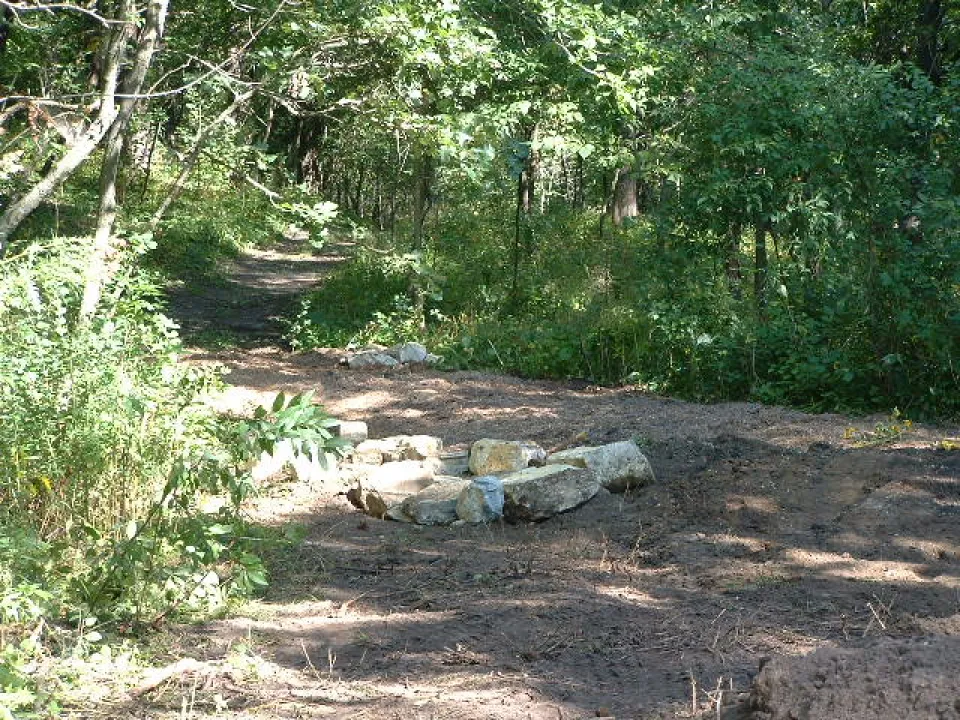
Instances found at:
x=538 y=493
x=375 y=505
x=482 y=500
x=437 y=504
x=368 y=452
x=618 y=466
x=354 y=431
x=395 y=512
x=410 y=352
x=456 y=462
x=489 y=457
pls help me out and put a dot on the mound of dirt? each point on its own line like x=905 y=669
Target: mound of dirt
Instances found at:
x=887 y=680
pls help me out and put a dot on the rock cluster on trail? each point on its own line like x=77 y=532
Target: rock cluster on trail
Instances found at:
x=410 y=478
x=379 y=356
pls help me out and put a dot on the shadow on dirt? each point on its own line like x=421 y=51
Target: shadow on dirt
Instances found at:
x=742 y=550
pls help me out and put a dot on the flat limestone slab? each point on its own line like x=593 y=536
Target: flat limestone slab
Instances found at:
x=539 y=493
x=409 y=476
x=619 y=466
x=437 y=504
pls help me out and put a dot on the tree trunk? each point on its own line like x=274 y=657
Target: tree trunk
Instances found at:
x=421 y=198
x=6 y=23
x=101 y=265
x=528 y=175
x=421 y=206
x=734 y=273
x=358 y=192
x=518 y=240
x=20 y=209
x=624 y=205
x=929 y=25
x=760 y=269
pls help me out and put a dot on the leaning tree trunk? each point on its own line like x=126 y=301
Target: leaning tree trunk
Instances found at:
x=19 y=210
x=193 y=156
x=102 y=263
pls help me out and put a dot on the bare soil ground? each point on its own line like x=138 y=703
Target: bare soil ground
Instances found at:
x=768 y=533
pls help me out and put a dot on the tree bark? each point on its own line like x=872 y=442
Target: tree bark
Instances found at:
x=734 y=273
x=101 y=265
x=929 y=25
x=20 y=209
x=421 y=206
x=6 y=23
x=760 y=269
x=624 y=205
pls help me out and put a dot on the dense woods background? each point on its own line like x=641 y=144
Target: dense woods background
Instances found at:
x=716 y=199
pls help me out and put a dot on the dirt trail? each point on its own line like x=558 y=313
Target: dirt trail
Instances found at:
x=769 y=532
x=255 y=290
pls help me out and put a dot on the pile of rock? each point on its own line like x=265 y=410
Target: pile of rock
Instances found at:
x=379 y=356
x=410 y=478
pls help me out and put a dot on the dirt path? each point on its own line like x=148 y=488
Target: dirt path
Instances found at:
x=256 y=289
x=769 y=532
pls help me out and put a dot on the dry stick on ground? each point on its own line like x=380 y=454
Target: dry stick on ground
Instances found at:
x=160 y=676
x=693 y=692
x=306 y=655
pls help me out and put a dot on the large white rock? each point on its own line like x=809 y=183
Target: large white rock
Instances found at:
x=417 y=447
x=311 y=465
x=410 y=352
x=618 y=466
x=481 y=501
x=437 y=504
x=490 y=457
x=538 y=493
x=408 y=476
x=354 y=431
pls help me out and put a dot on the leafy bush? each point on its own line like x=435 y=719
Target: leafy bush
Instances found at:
x=107 y=447
x=365 y=300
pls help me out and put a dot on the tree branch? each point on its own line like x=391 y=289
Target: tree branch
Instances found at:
x=19 y=8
